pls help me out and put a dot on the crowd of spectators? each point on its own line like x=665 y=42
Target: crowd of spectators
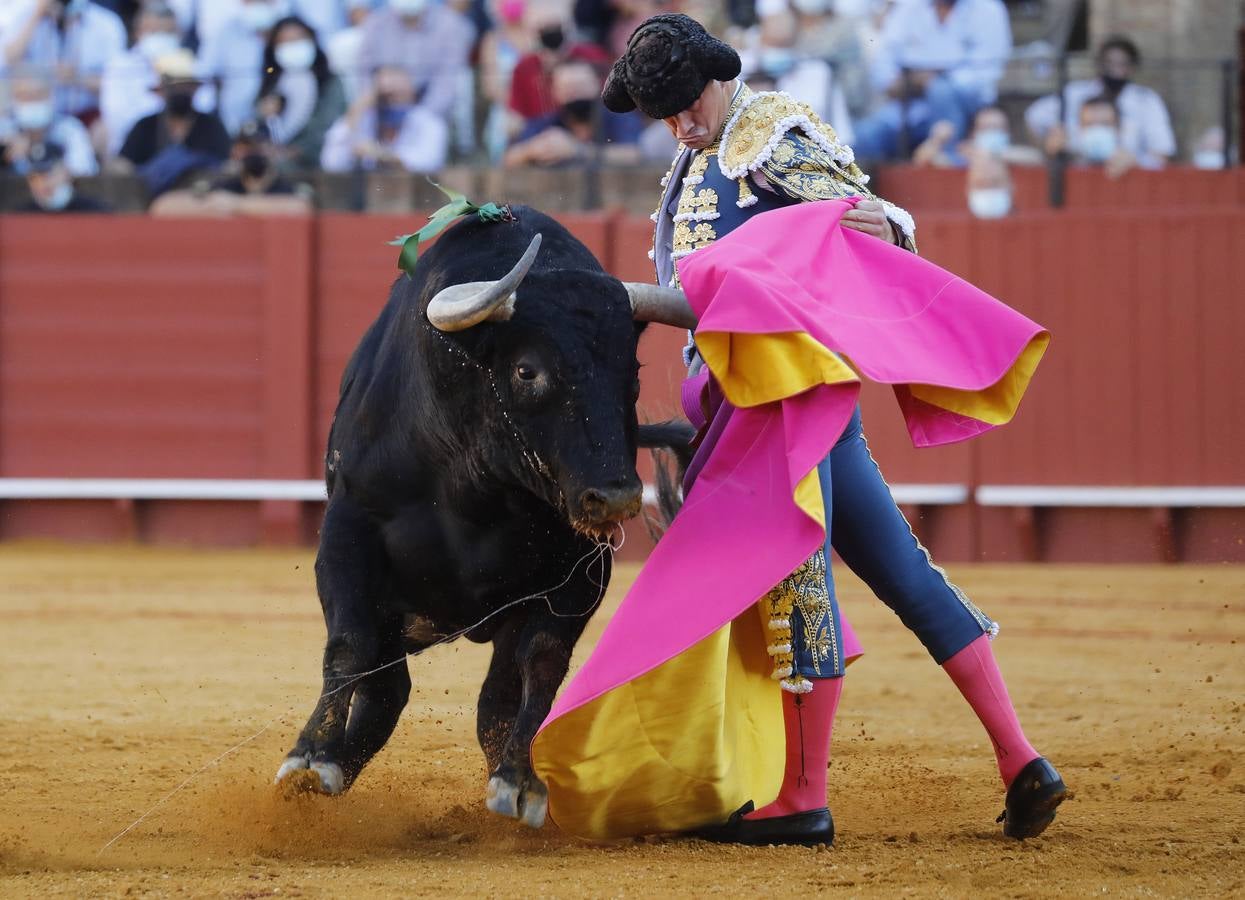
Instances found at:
x=215 y=104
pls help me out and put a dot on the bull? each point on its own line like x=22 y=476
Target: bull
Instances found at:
x=482 y=451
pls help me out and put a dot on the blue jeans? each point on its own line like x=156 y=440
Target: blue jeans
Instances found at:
x=877 y=135
x=872 y=537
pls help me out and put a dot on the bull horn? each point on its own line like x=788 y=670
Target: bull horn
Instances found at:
x=651 y=303
x=460 y=306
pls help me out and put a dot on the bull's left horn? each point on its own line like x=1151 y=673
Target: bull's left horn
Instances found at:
x=651 y=303
x=460 y=306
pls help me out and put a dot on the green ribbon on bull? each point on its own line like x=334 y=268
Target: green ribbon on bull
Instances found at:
x=451 y=212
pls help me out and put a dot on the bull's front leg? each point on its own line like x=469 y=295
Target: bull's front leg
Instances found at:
x=347 y=566
x=529 y=663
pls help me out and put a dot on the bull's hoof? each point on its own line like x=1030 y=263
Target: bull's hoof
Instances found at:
x=317 y=777
x=529 y=805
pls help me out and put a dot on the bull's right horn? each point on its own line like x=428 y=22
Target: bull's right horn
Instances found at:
x=460 y=306
x=651 y=303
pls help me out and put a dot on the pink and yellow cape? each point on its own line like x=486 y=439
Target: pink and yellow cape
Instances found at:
x=674 y=721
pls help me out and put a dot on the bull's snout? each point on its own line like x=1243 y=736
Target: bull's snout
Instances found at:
x=601 y=505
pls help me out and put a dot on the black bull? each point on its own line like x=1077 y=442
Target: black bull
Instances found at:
x=472 y=464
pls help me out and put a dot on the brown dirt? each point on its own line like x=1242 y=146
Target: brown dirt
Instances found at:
x=126 y=670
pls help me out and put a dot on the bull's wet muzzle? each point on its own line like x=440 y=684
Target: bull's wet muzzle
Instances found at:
x=598 y=507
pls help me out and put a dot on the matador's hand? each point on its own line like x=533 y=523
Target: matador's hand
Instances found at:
x=869 y=216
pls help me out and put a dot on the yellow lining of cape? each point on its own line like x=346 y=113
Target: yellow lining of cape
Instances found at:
x=996 y=404
x=681 y=746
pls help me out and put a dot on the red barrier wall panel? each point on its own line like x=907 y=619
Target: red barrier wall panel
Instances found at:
x=129 y=347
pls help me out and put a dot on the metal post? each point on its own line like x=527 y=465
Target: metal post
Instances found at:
x=1058 y=165
x=1228 y=73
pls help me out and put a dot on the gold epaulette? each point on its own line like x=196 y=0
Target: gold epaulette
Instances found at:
x=758 y=125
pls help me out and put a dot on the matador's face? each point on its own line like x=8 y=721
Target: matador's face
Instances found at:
x=699 y=125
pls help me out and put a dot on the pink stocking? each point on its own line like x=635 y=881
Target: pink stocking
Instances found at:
x=808 y=720
x=977 y=675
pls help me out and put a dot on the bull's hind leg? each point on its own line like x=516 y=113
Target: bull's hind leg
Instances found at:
x=348 y=567
x=529 y=663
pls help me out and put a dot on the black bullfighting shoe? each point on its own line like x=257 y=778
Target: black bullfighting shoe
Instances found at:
x=1032 y=799
x=805 y=829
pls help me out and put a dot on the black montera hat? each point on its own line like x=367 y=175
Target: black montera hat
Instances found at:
x=669 y=60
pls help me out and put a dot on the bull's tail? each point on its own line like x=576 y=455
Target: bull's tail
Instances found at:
x=670 y=445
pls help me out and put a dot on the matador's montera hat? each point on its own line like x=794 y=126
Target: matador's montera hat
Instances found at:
x=669 y=60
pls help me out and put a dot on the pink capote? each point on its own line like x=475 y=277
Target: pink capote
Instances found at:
x=900 y=319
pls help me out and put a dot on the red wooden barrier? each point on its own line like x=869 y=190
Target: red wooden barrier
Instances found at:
x=132 y=347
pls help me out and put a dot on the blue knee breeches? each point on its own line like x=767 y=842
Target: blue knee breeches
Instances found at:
x=870 y=534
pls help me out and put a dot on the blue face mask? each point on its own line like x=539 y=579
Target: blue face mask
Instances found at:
x=1098 y=143
x=992 y=140
x=59 y=199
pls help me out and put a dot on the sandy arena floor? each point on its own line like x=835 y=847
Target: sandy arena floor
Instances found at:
x=126 y=670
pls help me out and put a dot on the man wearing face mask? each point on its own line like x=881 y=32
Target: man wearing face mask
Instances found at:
x=1098 y=141
x=432 y=43
x=179 y=140
x=74 y=38
x=571 y=133
x=34 y=120
x=126 y=91
x=936 y=60
x=531 y=85
x=1145 y=130
x=385 y=128
x=51 y=184
x=234 y=57
x=257 y=188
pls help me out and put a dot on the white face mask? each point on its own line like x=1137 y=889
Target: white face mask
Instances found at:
x=33 y=115
x=61 y=195
x=1098 y=143
x=990 y=203
x=992 y=140
x=296 y=56
x=157 y=44
x=408 y=7
x=258 y=16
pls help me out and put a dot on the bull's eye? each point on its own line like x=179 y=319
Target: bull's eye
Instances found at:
x=526 y=372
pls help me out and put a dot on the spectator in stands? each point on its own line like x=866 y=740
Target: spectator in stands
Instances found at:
x=35 y=120
x=234 y=55
x=257 y=187
x=299 y=98
x=51 y=184
x=834 y=30
x=990 y=136
x=989 y=186
x=936 y=60
x=501 y=48
x=580 y=126
x=1144 y=125
x=73 y=38
x=385 y=128
x=126 y=90
x=531 y=86
x=343 y=49
x=776 y=65
x=1098 y=140
x=431 y=43
x=169 y=146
